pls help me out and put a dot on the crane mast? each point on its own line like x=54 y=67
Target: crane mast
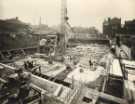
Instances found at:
x=64 y=18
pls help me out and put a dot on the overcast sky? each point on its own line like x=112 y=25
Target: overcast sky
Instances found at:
x=81 y=12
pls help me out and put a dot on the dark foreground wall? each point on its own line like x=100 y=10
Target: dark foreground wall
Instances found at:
x=99 y=41
x=20 y=41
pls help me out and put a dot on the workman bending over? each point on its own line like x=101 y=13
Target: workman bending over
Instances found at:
x=21 y=83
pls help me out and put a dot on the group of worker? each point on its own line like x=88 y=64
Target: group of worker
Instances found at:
x=18 y=87
x=18 y=83
x=28 y=65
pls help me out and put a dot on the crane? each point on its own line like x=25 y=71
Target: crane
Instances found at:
x=66 y=30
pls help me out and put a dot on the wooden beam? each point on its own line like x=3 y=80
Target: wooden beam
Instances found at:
x=104 y=84
x=2 y=80
x=7 y=66
x=36 y=88
x=105 y=96
x=113 y=98
x=116 y=70
x=35 y=101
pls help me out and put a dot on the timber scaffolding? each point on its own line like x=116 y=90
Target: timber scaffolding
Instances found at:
x=77 y=90
x=72 y=95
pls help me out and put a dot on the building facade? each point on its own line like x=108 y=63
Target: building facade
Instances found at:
x=111 y=26
x=129 y=27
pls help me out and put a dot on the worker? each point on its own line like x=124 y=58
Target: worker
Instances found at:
x=51 y=54
x=69 y=67
x=24 y=78
x=28 y=64
x=12 y=99
x=18 y=86
x=91 y=64
x=1 y=71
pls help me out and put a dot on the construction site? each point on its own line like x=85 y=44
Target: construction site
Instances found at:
x=62 y=69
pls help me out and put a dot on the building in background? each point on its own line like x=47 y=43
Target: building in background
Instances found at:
x=129 y=27
x=111 y=26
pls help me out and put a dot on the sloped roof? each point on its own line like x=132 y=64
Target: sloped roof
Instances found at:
x=13 y=25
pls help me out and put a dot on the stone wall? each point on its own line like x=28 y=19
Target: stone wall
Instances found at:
x=20 y=41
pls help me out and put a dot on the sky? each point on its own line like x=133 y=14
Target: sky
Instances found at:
x=85 y=13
